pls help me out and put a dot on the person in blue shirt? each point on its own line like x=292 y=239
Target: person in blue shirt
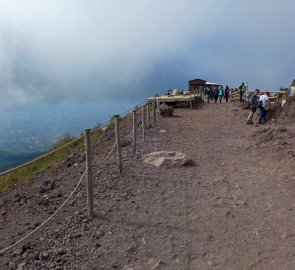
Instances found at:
x=253 y=106
x=220 y=93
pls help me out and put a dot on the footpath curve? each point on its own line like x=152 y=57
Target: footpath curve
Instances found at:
x=232 y=210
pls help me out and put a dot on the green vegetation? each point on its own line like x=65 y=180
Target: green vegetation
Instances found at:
x=139 y=123
x=31 y=170
x=66 y=138
x=123 y=143
x=36 y=200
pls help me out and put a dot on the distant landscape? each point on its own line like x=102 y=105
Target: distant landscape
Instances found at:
x=9 y=159
x=27 y=132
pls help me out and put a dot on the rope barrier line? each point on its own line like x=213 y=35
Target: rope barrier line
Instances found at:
x=101 y=127
x=140 y=126
x=107 y=156
x=75 y=188
x=123 y=114
x=64 y=146
x=136 y=106
x=38 y=158
x=129 y=135
x=47 y=220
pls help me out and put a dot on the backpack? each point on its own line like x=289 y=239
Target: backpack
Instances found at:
x=259 y=104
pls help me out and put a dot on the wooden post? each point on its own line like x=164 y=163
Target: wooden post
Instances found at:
x=118 y=142
x=143 y=122
x=154 y=112
x=87 y=137
x=158 y=106
x=147 y=116
x=134 y=131
x=158 y=110
x=190 y=101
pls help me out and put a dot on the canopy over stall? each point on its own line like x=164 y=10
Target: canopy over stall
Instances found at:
x=198 y=84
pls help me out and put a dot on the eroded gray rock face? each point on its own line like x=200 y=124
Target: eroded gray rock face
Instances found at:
x=168 y=159
x=166 y=110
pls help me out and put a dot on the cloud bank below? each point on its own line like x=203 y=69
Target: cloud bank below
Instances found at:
x=94 y=50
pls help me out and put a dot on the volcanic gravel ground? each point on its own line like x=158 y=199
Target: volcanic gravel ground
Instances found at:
x=234 y=209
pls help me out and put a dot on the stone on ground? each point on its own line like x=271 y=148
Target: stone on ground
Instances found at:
x=167 y=159
x=166 y=110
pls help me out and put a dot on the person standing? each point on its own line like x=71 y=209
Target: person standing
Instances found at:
x=264 y=100
x=216 y=94
x=242 y=90
x=220 y=93
x=211 y=93
x=207 y=94
x=226 y=93
x=253 y=106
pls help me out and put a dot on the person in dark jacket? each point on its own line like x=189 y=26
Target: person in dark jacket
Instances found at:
x=207 y=94
x=253 y=106
x=211 y=93
x=226 y=93
x=216 y=92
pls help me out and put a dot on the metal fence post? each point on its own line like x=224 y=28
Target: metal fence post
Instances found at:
x=87 y=137
x=117 y=132
x=143 y=122
x=134 y=131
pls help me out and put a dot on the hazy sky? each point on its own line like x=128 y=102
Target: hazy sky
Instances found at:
x=90 y=50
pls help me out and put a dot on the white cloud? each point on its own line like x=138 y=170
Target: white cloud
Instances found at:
x=84 y=49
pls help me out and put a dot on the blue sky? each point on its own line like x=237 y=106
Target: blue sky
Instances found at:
x=90 y=50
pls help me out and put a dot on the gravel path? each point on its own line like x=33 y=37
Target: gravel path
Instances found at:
x=232 y=210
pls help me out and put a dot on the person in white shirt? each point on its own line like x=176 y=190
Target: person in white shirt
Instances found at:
x=264 y=100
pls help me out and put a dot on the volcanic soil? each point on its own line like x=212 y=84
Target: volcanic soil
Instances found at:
x=233 y=209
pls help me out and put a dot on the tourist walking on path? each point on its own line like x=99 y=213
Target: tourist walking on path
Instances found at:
x=216 y=94
x=207 y=94
x=242 y=90
x=253 y=106
x=226 y=93
x=263 y=107
x=211 y=94
x=220 y=93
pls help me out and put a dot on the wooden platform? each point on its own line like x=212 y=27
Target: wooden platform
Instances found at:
x=173 y=98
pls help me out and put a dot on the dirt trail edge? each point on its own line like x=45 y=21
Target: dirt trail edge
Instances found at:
x=232 y=210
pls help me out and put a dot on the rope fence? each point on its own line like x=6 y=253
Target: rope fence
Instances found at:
x=88 y=172
x=46 y=221
x=107 y=156
x=41 y=157
x=147 y=110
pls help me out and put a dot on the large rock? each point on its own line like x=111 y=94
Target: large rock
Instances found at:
x=167 y=159
x=166 y=110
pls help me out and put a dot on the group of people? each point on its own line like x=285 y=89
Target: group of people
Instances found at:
x=260 y=101
x=217 y=93
x=257 y=100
